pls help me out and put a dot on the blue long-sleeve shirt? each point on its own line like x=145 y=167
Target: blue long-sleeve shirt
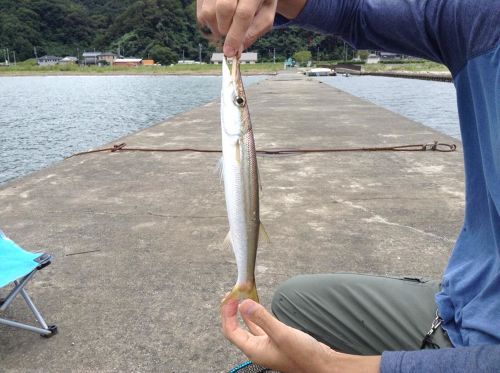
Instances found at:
x=465 y=36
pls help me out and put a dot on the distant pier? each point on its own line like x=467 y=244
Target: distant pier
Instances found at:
x=357 y=70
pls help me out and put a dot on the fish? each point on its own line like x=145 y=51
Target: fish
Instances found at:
x=241 y=181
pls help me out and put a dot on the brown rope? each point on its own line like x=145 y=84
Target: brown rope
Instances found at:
x=435 y=146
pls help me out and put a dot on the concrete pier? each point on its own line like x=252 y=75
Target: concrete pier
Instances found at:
x=139 y=267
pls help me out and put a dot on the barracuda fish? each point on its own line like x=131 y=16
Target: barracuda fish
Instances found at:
x=241 y=181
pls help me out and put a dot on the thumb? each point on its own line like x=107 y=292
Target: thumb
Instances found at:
x=257 y=314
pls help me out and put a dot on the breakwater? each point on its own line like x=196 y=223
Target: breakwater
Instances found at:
x=139 y=266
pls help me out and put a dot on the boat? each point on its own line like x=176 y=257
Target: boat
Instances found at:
x=321 y=71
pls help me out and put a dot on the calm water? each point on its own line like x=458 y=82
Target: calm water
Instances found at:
x=44 y=119
x=431 y=103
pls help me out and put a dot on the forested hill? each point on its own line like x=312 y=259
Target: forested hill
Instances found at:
x=164 y=30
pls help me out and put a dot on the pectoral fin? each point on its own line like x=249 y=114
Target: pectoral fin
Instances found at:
x=259 y=181
x=228 y=243
x=238 y=152
x=220 y=169
x=263 y=234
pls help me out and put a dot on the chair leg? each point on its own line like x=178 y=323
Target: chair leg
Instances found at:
x=46 y=331
x=34 y=309
x=19 y=286
x=43 y=332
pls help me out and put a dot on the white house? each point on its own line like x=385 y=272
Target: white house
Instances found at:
x=372 y=58
x=48 y=60
x=250 y=57
x=387 y=56
x=69 y=60
x=99 y=58
x=90 y=58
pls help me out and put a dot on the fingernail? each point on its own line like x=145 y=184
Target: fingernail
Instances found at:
x=229 y=51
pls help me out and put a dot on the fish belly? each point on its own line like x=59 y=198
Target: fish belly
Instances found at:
x=236 y=186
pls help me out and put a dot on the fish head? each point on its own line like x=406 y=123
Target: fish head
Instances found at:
x=234 y=110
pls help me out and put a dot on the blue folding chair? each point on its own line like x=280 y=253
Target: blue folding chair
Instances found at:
x=18 y=267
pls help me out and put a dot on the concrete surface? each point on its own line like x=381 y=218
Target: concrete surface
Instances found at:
x=139 y=267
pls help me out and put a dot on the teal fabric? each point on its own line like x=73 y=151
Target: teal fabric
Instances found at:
x=14 y=261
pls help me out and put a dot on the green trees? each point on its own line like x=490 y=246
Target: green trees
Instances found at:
x=163 y=55
x=302 y=57
x=55 y=26
x=363 y=54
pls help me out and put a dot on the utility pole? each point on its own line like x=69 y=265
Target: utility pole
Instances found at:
x=274 y=55
x=8 y=57
x=345 y=52
x=183 y=56
x=36 y=54
x=317 y=54
x=15 y=62
x=199 y=46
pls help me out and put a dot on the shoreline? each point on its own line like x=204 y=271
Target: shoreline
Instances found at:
x=270 y=69
x=424 y=75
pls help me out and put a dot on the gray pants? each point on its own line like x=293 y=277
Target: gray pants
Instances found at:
x=360 y=314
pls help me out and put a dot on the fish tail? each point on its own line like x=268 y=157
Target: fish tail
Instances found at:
x=242 y=291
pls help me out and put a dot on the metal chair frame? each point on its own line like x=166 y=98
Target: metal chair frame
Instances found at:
x=45 y=330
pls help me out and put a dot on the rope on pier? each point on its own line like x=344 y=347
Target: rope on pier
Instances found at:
x=435 y=146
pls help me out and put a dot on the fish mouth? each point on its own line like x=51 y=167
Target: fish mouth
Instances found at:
x=233 y=75
x=235 y=71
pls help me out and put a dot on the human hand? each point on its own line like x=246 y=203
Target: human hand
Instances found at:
x=270 y=343
x=242 y=22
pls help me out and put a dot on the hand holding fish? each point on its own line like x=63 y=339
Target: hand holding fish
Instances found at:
x=274 y=345
x=242 y=22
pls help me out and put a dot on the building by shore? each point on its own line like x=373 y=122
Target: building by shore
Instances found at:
x=249 y=57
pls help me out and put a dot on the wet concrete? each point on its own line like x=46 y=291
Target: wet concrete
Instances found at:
x=139 y=267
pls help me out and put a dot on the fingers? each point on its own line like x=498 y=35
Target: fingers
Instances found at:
x=242 y=19
x=225 y=10
x=254 y=328
x=258 y=315
x=262 y=23
x=230 y=326
x=229 y=311
x=206 y=14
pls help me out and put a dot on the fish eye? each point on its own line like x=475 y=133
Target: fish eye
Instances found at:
x=239 y=101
